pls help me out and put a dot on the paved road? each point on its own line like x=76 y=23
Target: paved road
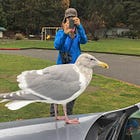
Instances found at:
x=122 y=67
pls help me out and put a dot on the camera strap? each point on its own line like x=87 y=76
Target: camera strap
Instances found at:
x=68 y=48
x=70 y=45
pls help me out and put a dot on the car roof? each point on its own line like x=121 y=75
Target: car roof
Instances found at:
x=49 y=128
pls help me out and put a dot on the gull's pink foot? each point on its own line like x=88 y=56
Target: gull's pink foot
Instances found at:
x=60 y=118
x=72 y=121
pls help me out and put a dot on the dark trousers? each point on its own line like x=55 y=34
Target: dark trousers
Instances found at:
x=69 y=108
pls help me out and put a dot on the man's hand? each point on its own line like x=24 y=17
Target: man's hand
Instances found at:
x=66 y=27
x=76 y=21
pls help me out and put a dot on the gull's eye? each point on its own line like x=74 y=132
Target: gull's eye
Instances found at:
x=92 y=59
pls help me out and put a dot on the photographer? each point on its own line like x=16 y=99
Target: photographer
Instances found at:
x=67 y=41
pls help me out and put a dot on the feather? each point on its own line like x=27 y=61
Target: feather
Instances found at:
x=14 y=105
x=4 y=100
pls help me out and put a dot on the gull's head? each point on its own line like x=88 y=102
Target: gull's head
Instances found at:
x=90 y=61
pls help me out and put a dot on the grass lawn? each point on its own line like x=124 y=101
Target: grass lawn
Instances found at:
x=118 y=45
x=26 y=44
x=122 y=46
x=103 y=94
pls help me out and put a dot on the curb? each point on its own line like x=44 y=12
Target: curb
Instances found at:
x=81 y=50
x=113 y=53
x=10 y=48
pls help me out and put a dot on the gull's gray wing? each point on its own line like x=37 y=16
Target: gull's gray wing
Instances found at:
x=57 y=82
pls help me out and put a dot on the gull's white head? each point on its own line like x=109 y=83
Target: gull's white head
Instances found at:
x=90 y=61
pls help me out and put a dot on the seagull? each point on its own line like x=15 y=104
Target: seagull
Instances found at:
x=57 y=84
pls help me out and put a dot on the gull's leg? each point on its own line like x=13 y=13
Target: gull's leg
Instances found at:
x=56 y=115
x=55 y=110
x=67 y=120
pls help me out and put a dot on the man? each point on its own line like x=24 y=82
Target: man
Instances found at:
x=67 y=41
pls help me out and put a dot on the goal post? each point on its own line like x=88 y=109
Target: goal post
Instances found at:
x=48 y=32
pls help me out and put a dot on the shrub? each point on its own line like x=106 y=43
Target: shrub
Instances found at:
x=19 y=36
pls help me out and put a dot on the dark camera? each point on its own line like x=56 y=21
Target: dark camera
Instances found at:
x=71 y=23
x=66 y=57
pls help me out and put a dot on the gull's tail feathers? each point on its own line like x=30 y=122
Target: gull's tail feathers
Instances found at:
x=10 y=96
x=18 y=99
x=15 y=105
x=19 y=95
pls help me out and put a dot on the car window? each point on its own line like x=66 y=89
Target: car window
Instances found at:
x=133 y=127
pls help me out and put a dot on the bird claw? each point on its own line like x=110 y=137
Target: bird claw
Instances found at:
x=68 y=121
x=72 y=121
x=60 y=118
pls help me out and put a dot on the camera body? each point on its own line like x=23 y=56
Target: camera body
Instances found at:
x=66 y=57
x=71 y=23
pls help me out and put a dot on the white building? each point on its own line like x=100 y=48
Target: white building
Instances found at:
x=118 y=31
x=1 y=34
x=2 y=29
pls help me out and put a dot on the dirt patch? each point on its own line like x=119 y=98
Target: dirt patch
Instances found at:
x=92 y=88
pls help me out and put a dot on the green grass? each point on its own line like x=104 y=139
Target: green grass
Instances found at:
x=103 y=94
x=123 y=46
x=11 y=66
x=26 y=44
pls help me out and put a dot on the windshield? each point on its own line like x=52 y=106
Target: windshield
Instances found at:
x=133 y=127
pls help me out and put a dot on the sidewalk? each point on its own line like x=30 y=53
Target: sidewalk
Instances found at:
x=122 y=67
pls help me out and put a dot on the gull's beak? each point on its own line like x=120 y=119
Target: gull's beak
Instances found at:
x=102 y=64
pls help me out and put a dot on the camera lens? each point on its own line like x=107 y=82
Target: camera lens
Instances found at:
x=71 y=23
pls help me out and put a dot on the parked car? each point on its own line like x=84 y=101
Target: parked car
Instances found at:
x=122 y=124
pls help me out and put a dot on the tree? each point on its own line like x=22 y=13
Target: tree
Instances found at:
x=109 y=12
x=90 y=14
x=132 y=10
x=30 y=16
x=2 y=17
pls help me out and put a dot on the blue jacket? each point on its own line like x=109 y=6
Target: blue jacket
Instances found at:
x=64 y=41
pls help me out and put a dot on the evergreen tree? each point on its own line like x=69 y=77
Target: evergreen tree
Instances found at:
x=3 y=21
x=30 y=16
